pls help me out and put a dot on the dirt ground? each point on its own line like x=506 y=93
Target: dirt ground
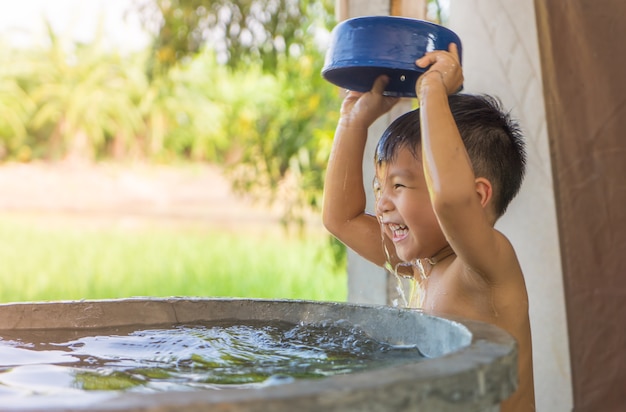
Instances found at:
x=129 y=195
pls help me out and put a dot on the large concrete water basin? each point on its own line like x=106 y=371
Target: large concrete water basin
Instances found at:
x=470 y=366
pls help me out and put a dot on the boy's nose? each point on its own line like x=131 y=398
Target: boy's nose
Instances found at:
x=383 y=204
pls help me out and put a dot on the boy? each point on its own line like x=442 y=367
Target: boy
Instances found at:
x=444 y=174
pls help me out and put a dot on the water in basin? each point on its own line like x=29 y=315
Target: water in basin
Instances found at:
x=201 y=355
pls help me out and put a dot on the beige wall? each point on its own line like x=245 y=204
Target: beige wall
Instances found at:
x=501 y=57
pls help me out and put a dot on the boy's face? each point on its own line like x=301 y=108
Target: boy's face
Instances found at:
x=403 y=207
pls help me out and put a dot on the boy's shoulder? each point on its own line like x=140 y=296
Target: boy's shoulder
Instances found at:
x=461 y=291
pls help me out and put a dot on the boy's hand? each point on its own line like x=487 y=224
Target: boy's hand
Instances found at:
x=362 y=109
x=445 y=67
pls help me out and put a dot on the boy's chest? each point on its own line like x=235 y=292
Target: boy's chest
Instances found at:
x=458 y=295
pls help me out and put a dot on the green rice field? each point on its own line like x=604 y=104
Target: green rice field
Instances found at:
x=58 y=262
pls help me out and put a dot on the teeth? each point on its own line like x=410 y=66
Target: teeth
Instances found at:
x=398 y=230
x=394 y=227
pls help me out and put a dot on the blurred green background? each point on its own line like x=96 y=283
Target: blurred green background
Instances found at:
x=232 y=83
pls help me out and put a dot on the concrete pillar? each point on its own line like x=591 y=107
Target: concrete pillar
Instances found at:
x=501 y=57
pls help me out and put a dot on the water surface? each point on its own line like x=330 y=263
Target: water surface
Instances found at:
x=43 y=363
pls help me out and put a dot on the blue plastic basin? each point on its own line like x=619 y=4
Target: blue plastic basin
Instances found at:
x=363 y=48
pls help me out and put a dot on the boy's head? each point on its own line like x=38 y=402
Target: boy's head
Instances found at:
x=492 y=139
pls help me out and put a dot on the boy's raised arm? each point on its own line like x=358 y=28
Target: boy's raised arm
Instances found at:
x=344 y=203
x=459 y=199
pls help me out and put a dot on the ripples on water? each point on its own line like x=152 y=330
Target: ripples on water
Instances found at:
x=187 y=357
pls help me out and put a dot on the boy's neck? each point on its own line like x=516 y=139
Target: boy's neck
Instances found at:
x=443 y=254
x=425 y=266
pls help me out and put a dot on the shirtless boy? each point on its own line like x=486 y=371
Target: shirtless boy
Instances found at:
x=444 y=174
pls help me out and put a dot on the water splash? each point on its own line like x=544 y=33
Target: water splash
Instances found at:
x=416 y=292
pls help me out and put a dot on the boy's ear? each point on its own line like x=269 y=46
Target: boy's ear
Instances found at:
x=484 y=190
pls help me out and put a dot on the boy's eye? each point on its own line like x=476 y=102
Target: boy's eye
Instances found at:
x=398 y=185
x=376 y=186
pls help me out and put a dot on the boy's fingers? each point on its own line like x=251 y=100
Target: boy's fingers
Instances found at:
x=424 y=61
x=453 y=48
x=379 y=84
x=431 y=57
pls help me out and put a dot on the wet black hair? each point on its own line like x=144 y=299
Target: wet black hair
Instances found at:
x=492 y=138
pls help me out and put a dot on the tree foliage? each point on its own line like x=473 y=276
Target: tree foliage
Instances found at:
x=273 y=105
x=235 y=82
x=240 y=31
x=81 y=102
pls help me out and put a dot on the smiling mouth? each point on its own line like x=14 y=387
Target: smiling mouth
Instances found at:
x=398 y=231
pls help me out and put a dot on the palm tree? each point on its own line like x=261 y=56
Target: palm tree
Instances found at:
x=81 y=94
x=16 y=107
